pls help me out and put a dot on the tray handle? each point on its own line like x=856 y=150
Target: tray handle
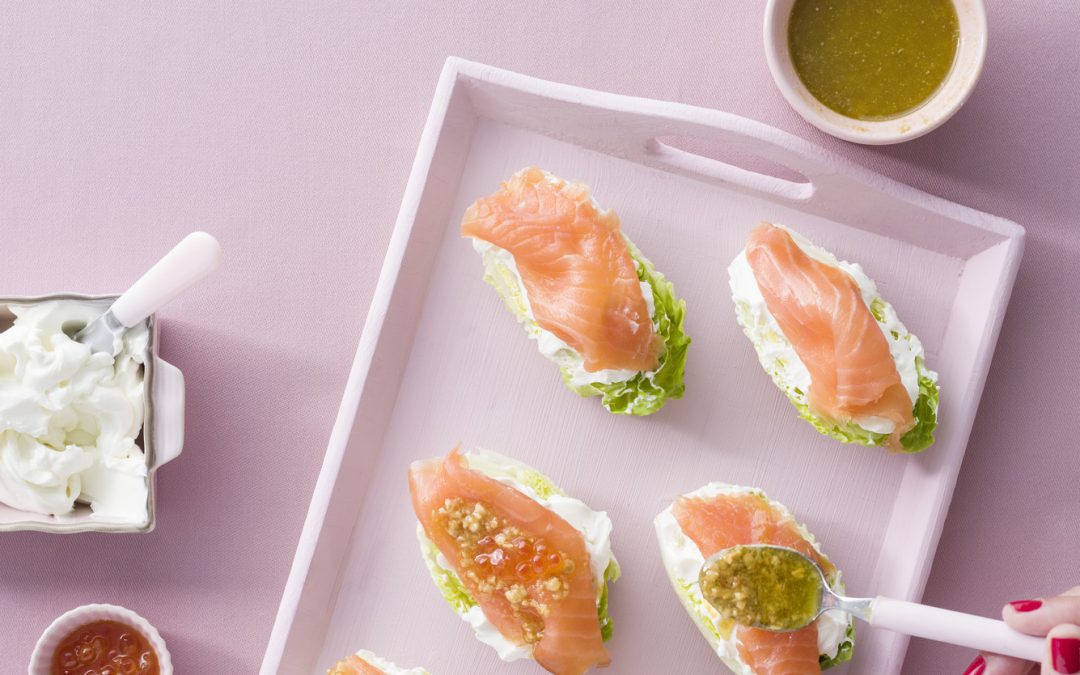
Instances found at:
x=747 y=137
x=686 y=161
x=168 y=412
x=818 y=167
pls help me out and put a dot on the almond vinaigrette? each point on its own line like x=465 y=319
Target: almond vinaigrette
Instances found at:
x=763 y=587
x=873 y=59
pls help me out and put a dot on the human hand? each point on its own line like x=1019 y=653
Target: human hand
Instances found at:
x=1058 y=619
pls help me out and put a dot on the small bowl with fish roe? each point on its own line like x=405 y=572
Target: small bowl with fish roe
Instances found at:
x=876 y=71
x=103 y=640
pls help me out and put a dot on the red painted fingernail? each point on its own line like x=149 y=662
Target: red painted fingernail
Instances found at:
x=1065 y=655
x=1026 y=605
x=977 y=666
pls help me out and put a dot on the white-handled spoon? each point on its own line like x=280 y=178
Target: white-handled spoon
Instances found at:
x=780 y=589
x=197 y=255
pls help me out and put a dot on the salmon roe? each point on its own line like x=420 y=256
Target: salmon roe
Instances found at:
x=105 y=648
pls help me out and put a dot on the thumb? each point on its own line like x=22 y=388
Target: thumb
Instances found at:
x=1062 y=651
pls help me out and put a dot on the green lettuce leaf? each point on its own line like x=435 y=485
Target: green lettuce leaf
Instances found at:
x=610 y=575
x=700 y=611
x=845 y=433
x=877 y=308
x=921 y=435
x=844 y=652
x=645 y=393
x=453 y=591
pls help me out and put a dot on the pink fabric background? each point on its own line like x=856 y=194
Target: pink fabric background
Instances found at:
x=289 y=133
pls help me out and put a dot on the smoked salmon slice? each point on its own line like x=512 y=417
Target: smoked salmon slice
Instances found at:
x=721 y=521
x=821 y=311
x=575 y=265
x=354 y=665
x=364 y=662
x=527 y=568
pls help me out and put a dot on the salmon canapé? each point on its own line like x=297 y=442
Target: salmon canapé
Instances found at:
x=577 y=270
x=821 y=311
x=354 y=665
x=525 y=567
x=718 y=522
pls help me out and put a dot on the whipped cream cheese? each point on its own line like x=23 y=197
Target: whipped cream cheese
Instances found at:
x=69 y=418
x=549 y=344
x=595 y=528
x=683 y=562
x=778 y=357
x=388 y=667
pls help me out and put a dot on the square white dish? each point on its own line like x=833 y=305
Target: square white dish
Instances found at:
x=162 y=436
x=441 y=361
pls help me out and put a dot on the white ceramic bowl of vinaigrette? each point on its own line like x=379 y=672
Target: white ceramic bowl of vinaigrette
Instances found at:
x=939 y=107
x=68 y=622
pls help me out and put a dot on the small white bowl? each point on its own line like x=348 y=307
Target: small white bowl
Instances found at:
x=41 y=659
x=970 y=54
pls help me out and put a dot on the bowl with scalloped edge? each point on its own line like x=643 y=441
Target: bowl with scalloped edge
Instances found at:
x=72 y=620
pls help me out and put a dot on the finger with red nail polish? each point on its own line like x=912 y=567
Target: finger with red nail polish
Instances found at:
x=1062 y=651
x=977 y=667
x=996 y=664
x=1037 y=617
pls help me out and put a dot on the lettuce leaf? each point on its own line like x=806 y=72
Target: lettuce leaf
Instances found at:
x=497 y=466
x=645 y=393
x=845 y=433
x=921 y=436
x=453 y=591
x=610 y=575
x=700 y=611
x=844 y=652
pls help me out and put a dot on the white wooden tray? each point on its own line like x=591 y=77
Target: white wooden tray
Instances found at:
x=441 y=361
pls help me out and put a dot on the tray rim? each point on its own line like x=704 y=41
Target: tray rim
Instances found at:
x=455 y=70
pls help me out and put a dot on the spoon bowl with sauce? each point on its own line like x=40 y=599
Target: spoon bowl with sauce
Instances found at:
x=778 y=589
x=876 y=71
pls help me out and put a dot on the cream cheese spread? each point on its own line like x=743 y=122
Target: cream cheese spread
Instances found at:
x=69 y=418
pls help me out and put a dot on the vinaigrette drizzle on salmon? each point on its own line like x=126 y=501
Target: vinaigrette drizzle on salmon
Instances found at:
x=526 y=567
x=821 y=311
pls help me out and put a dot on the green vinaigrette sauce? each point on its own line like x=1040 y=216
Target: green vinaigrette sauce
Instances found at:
x=764 y=587
x=873 y=59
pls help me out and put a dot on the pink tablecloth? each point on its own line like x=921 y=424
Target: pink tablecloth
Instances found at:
x=289 y=132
